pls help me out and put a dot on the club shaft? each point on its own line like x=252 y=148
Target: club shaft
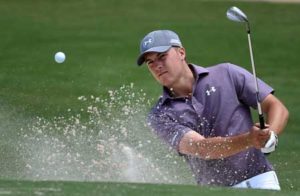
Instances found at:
x=260 y=114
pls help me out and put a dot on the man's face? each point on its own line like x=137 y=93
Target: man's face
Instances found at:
x=166 y=67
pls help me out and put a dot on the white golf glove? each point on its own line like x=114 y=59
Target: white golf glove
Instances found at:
x=271 y=143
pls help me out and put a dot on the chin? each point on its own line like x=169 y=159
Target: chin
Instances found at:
x=166 y=83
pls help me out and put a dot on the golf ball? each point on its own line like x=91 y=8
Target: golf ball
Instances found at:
x=60 y=57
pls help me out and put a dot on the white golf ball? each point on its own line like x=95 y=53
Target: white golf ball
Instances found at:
x=60 y=57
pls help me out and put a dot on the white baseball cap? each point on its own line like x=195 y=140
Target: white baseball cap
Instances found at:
x=157 y=41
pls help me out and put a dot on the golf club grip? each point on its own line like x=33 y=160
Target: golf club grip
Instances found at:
x=261 y=121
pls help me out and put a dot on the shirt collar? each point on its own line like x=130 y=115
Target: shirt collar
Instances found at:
x=197 y=70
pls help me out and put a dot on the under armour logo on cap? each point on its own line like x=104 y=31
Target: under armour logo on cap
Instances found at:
x=149 y=41
x=157 y=41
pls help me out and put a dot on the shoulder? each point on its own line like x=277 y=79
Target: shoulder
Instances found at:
x=226 y=66
x=221 y=70
x=228 y=69
x=218 y=69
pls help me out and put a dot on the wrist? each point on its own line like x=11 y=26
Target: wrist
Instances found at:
x=249 y=142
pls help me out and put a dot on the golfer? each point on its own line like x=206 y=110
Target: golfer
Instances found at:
x=204 y=114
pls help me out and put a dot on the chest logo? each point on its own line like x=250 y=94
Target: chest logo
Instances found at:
x=210 y=90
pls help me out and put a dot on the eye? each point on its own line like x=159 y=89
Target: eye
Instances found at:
x=162 y=56
x=149 y=62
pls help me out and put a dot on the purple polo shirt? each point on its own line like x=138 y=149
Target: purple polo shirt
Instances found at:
x=220 y=106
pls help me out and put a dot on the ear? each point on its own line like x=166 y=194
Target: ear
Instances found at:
x=182 y=53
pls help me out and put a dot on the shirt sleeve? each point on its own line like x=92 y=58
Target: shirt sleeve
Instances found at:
x=167 y=128
x=245 y=86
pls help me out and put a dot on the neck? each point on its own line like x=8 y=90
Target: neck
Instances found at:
x=184 y=85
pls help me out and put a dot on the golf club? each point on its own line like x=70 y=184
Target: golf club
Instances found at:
x=235 y=14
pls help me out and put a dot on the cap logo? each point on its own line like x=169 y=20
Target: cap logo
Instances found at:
x=148 y=41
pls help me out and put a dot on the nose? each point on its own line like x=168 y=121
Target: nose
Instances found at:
x=158 y=68
x=159 y=65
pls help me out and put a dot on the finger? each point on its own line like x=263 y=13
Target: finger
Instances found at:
x=267 y=125
x=262 y=133
x=263 y=137
x=265 y=131
x=263 y=140
x=258 y=125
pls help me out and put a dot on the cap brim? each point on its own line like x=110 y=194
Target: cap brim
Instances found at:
x=159 y=49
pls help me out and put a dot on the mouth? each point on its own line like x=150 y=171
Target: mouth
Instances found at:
x=162 y=73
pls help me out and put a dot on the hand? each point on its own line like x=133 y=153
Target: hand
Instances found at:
x=259 y=137
x=271 y=144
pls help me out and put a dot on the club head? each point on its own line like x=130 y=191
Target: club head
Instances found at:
x=235 y=14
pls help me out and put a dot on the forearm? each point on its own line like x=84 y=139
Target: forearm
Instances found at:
x=277 y=113
x=215 y=147
x=195 y=144
x=221 y=147
x=277 y=118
